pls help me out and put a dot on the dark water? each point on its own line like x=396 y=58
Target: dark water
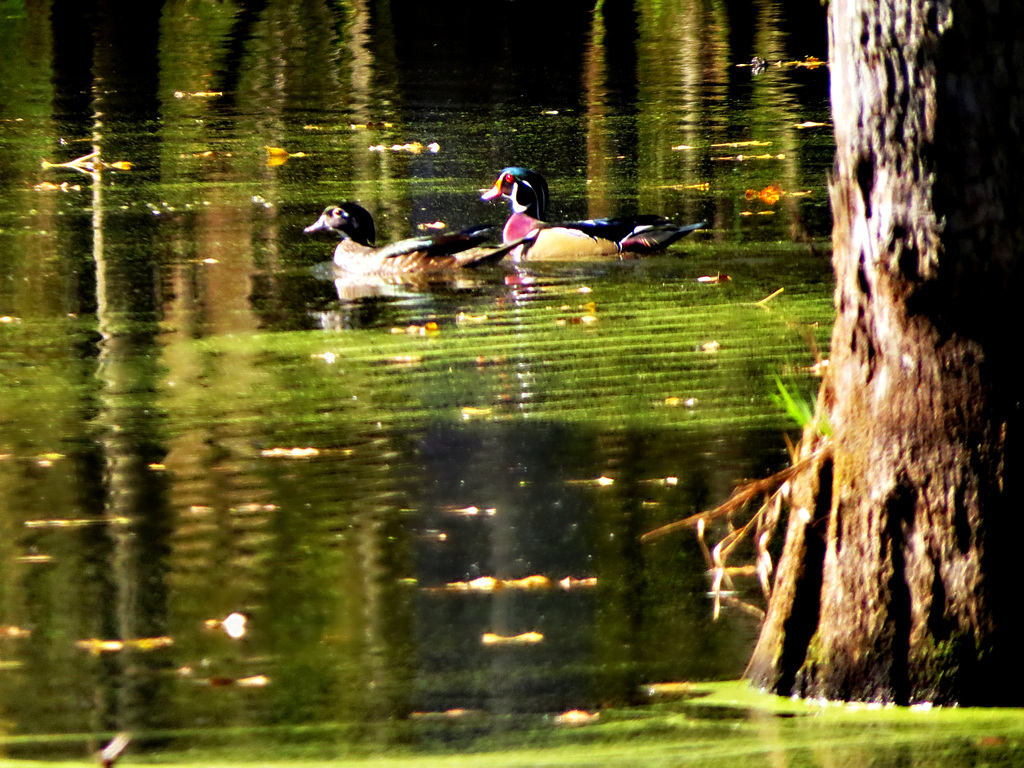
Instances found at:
x=195 y=422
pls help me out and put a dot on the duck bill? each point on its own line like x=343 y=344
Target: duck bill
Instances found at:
x=493 y=192
x=320 y=225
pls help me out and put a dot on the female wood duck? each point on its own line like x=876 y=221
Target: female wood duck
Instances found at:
x=528 y=193
x=436 y=253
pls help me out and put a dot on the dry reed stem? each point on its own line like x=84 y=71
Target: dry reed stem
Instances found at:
x=763 y=523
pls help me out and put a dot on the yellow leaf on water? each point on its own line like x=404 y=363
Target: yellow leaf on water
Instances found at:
x=769 y=194
x=482 y=584
x=526 y=638
x=149 y=643
x=290 y=453
x=738 y=144
x=276 y=156
x=35 y=559
x=576 y=717
x=570 y=583
x=255 y=681
x=96 y=646
x=669 y=689
x=537 y=581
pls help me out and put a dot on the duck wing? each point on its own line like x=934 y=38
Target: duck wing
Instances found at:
x=656 y=237
x=480 y=256
x=437 y=246
x=636 y=234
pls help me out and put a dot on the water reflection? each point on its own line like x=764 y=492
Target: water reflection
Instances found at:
x=198 y=421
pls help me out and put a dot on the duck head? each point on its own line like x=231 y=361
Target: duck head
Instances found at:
x=346 y=220
x=526 y=190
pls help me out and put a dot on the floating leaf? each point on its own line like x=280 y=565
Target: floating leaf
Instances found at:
x=447 y=714
x=570 y=583
x=811 y=62
x=526 y=638
x=576 y=717
x=197 y=94
x=96 y=646
x=739 y=144
x=669 y=689
x=536 y=581
x=290 y=453
x=471 y=511
x=254 y=681
x=234 y=624
x=769 y=195
x=47 y=186
x=276 y=156
x=714 y=279
x=406 y=360
x=35 y=559
x=482 y=584
x=149 y=643
x=429 y=328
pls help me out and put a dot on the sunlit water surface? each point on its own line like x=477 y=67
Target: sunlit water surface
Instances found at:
x=423 y=499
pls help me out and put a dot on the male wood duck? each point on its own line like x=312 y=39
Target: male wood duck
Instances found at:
x=527 y=191
x=431 y=254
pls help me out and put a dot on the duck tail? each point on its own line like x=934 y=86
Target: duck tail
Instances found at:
x=657 y=238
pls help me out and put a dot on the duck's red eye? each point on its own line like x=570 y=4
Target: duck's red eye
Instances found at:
x=509 y=178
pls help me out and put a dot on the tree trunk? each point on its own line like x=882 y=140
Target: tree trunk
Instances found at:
x=897 y=580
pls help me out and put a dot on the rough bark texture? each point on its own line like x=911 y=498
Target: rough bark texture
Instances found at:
x=897 y=578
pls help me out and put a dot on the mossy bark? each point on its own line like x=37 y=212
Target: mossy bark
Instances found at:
x=896 y=583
